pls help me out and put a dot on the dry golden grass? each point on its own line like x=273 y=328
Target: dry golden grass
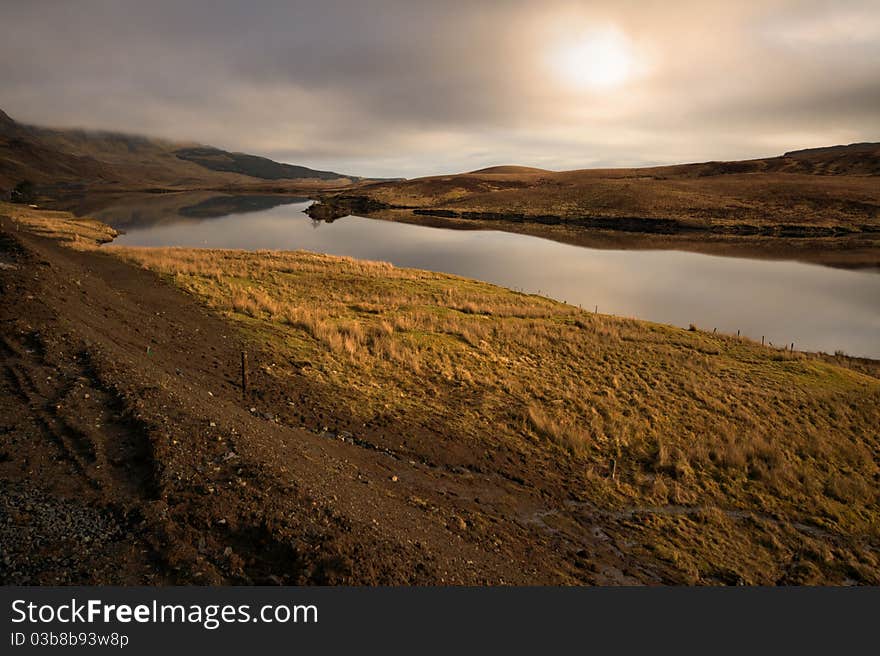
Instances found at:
x=76 y=232
x=688 y=417
x=679 y=193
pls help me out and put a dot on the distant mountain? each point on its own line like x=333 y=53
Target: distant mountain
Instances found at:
x=6 y=123
x=854 y=159
x=857 y=158
x=508 y=168
x=252 y=165
x=105 y=159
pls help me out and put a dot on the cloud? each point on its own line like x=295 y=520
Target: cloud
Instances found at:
x=409 y=88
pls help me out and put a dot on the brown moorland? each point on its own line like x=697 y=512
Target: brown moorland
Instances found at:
x=832 y=187
x=819 y=205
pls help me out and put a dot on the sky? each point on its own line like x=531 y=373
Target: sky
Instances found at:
x=409 y=88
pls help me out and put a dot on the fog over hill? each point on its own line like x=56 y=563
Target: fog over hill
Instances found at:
x=48 y=156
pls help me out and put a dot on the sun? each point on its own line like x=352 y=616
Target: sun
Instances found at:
x=596 y=60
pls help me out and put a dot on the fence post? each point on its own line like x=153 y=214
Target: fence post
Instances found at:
x=244 y=374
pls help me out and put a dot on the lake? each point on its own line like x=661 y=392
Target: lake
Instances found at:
x=818 y=308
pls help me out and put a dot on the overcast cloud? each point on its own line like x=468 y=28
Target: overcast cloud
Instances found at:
x=415 y=88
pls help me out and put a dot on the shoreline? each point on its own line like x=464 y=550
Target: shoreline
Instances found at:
x=610 y=240
x=838 y=247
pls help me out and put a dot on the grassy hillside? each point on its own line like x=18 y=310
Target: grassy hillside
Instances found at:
x=508 y=168
x=105 y=159
x=256 y=167
x=75 y=231
x=826 y=188
x=722 y=459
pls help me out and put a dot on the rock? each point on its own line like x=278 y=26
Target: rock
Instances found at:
x=330 y=209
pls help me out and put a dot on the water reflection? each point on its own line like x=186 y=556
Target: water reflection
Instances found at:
x=143 y=210
x=817 y=308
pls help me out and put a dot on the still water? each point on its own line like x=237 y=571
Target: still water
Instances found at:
x=818 y=308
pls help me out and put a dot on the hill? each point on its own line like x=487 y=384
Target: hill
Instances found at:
x=859 y=158
x=252 y=165
x=105 y=159
x=507 y=168
x=822 y=192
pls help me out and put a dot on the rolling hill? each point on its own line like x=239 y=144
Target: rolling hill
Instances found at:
x=825 y=188
x=105 y=159
x=510 y=168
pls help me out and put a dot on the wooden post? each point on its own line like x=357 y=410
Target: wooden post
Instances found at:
x=791 y=350
x=244 y=374
x=597 y=310
x=737 y=333
x=762 y=340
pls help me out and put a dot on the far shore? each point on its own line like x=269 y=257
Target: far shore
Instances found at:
x=846 y=251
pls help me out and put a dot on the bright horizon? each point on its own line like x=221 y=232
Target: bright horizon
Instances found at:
x=387 y=89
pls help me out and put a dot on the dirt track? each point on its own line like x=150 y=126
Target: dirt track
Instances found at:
x=127 y=456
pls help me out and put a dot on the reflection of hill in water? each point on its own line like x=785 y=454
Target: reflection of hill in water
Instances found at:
x=225 y=205
x=129 y=211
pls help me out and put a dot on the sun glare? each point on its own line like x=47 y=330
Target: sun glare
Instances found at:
x=597 y=60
